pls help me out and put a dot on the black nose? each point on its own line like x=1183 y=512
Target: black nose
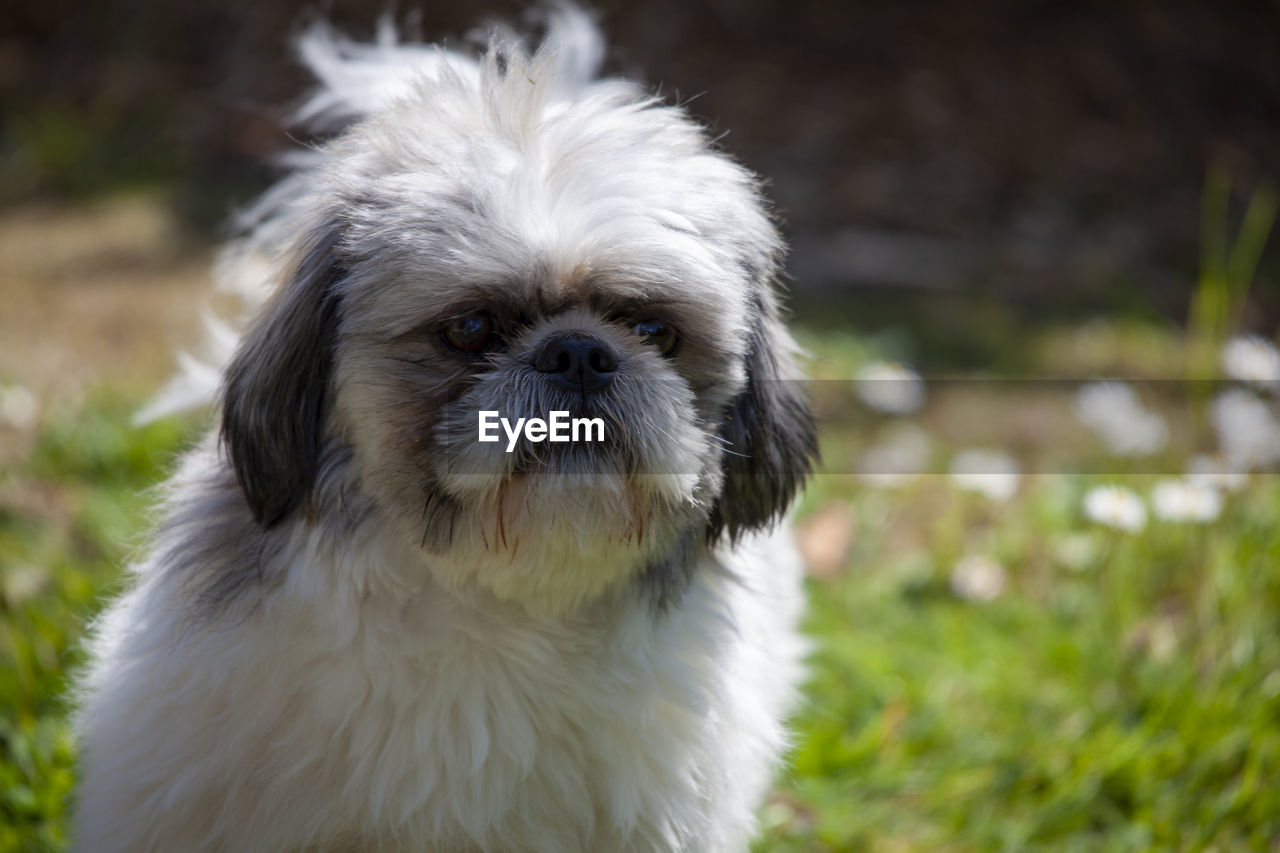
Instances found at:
x=577 y=360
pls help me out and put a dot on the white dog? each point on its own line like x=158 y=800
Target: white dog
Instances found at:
x=358 y=627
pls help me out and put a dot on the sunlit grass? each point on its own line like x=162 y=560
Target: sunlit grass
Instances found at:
x=1227 y=267
x=69 y=513
x=1122 y=693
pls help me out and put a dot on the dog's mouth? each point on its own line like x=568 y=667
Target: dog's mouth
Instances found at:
x=526 y=502
x=609 y=482
x=557 y=460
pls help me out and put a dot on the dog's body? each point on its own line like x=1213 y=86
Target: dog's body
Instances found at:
x=355 y=712
x=359 y=629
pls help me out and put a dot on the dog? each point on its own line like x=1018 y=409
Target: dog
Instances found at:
x=358 y=625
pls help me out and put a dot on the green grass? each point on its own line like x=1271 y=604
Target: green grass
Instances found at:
x=1129 y=700
x=69 y=512
x=1123 y=693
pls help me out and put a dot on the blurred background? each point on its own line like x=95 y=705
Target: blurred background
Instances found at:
x=1035 y=158
x=980 y=189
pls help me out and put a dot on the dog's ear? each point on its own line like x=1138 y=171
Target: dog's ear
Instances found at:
x=274 y=396
x=770 y=434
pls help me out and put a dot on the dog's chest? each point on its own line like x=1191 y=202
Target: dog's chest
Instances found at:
x=585 y=736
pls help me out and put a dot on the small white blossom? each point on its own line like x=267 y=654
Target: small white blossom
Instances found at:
x=1247 y=430
x=978 y=578
x=22 y=582
x=1251 y=359
x=988 y=472
x=1163 y=642
x=897 y=460
x=890 y=388
x=1158 y=637
x=1113 y=412
x=1115 y=506
x=1182 y=500
x=1076 y=551
x=18 y=407
x=1213 y=472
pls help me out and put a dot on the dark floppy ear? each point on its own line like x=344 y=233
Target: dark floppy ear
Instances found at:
x=771 y=436
x=273 y=399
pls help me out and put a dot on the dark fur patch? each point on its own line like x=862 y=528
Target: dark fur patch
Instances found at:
x=664 y=582
x=210 y=541
x=771 y=443
x=273 y=403
x=439 y=518
x=222 y=560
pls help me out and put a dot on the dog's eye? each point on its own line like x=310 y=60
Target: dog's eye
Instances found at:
x=470 y=334
x=658 y=333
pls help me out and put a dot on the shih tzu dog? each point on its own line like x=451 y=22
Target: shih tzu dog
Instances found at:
x=392 y=603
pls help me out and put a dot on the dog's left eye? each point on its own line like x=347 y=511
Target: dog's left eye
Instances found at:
x=470 y=334
x=658 y=333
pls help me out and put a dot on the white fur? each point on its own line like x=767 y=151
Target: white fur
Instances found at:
x=364 y=698
x=426 y=720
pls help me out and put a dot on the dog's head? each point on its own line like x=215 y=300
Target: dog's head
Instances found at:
x=507 y=236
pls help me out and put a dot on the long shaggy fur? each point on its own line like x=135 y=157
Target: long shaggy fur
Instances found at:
x=356 y=628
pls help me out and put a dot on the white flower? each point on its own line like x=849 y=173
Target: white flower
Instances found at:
x=1251 y=359
x=1115 y=415
x=978 y=578
x=1182 y=500
x=1214 y=473
x=1247 y=431
x=988 y=472
x=1156 y=636
x=1076 y=551
x=896 y=460
x=1115 y=506
x=890 y=388
x=18 y=407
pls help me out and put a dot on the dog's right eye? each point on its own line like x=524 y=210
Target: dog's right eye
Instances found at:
x=470 y=334
x=659 y=334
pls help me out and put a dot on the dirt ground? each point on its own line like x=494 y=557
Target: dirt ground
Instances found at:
x=101 y=293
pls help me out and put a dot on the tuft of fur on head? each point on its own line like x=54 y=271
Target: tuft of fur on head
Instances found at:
x=356 y=80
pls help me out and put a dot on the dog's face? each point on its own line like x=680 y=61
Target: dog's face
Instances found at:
x=505 y=248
